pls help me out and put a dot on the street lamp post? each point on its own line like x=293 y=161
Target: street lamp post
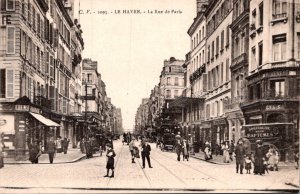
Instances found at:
x=85 y=113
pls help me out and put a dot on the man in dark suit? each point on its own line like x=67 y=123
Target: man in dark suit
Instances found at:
x=146 y=154
x=240 y=155
x=51 y=149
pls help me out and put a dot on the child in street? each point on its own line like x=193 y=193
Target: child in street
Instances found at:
x=266 y=165
x=248 y=162
x=110 y=154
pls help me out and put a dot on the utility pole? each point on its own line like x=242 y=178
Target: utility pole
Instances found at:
x=85 y=113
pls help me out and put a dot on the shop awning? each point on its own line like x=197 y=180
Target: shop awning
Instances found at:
x=185 y=101
x=44 y=120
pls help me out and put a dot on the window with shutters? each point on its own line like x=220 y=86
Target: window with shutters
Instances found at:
x=23 y=43
x=47 y=58
x=227 y=36
x=29 y=13
x=10 y=5
x=64 y=109
x=52 y=67
x=38 y=25
x=217 y=46
x=168 y=81
x=222 y=41
x=9 y=83
x=38 y=58
x=23 y=9
x=33 y=19
x=10 y=47
x=52 y=97
x=298 y=40
x=227 y=69
x=3 y=39
x=2 y=83
x=212 y=50
x=260 y=53
x=42 y=62
x=207 y=111
x=279 y=47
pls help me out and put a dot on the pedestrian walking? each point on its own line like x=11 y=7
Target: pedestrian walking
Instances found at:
x=65 y=145
x=146 y=154
x=225 y=149
x=34 y=152
x=259 y=159
x=178 y=145
x=296 y=157
x=51 y=146
x=110 y=165
x=131 y=148
x=272 y=158
x=59 y=144
x=2 y=145
x=88 y=148
x=207 y=151
x=185 y=150
x=240 y=155
x=231 y=150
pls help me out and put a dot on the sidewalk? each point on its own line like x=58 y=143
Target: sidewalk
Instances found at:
x=73 y=155
x=219 y=160
x=216 y=159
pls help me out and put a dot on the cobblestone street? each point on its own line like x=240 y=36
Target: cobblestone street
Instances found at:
x=167 y=174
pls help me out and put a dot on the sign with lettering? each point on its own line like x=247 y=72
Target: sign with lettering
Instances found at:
x=264 y=130
x=22 y=107
x=274 y=107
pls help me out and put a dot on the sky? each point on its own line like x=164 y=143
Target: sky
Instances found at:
x=130 y=48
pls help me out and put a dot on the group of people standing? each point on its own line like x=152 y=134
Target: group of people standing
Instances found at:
x=261 y=161
x=182 y=146
x=145 y=151
x=52 y=147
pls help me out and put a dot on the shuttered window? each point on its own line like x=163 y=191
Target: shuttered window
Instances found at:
x=10 y=47
x=2 y=83
x=9 y=83
x=3 y=39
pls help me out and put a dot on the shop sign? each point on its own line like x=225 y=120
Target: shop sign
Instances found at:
x=262 y=131
x=274 y=107
x=219 y=122
x=205 y=125
x=22 y=107
x=35 y=110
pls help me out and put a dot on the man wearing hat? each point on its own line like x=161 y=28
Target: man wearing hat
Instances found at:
x=131 y=148
x=110 y=154
x=146 y=154
x=240 y=155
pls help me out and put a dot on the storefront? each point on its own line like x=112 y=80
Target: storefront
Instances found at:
x=279 y=134
x=23 y=124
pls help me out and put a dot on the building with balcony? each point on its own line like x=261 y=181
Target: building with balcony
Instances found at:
x=192 y=100
x=91 y=90
x=218 y=58
x=171 y=86
x=35 y=71
x=273 y=77
x=239 y=68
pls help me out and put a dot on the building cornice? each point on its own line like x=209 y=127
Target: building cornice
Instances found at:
x=64 y=12
x=200 y=17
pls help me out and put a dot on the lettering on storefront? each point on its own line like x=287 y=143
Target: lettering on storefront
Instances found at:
x=22 y=107
x=273 y=107
x=219 y=122
x=261 y=132
x=35 y=110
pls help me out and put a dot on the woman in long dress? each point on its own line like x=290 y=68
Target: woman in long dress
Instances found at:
x=259 y=159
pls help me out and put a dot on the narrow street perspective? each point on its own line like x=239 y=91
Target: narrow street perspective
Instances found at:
x=87 y=175
x=149 y=96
